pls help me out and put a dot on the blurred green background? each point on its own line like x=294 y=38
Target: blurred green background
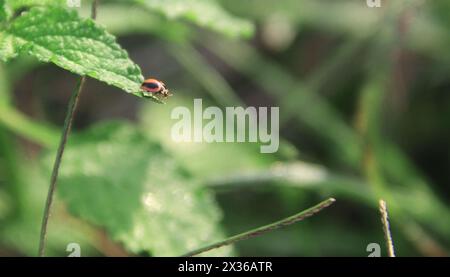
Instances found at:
x=364 y=114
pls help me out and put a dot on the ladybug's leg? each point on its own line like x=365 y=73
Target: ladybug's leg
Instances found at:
x=165 y=92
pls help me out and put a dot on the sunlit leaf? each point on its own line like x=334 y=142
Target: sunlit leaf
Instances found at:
x=79 y=45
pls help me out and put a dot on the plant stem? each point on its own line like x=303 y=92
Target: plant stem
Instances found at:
x=386 y=230
x=62 y=144
x=73 y=103
x=264 y=229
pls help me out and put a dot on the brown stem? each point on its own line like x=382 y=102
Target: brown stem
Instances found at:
x=264 y=229
x=386 y=229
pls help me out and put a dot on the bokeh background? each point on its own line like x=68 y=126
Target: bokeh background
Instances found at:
x=364 y=114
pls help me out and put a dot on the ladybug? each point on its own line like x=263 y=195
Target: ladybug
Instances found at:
x=155 y=87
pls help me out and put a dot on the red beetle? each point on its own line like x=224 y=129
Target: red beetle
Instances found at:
x=155 y=87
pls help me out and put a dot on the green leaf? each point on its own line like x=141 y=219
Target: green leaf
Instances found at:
x=205 y=13
x=114 y=177
x=60 y=36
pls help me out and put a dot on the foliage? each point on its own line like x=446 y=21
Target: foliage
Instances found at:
x=116 y=178
x=364 y=115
